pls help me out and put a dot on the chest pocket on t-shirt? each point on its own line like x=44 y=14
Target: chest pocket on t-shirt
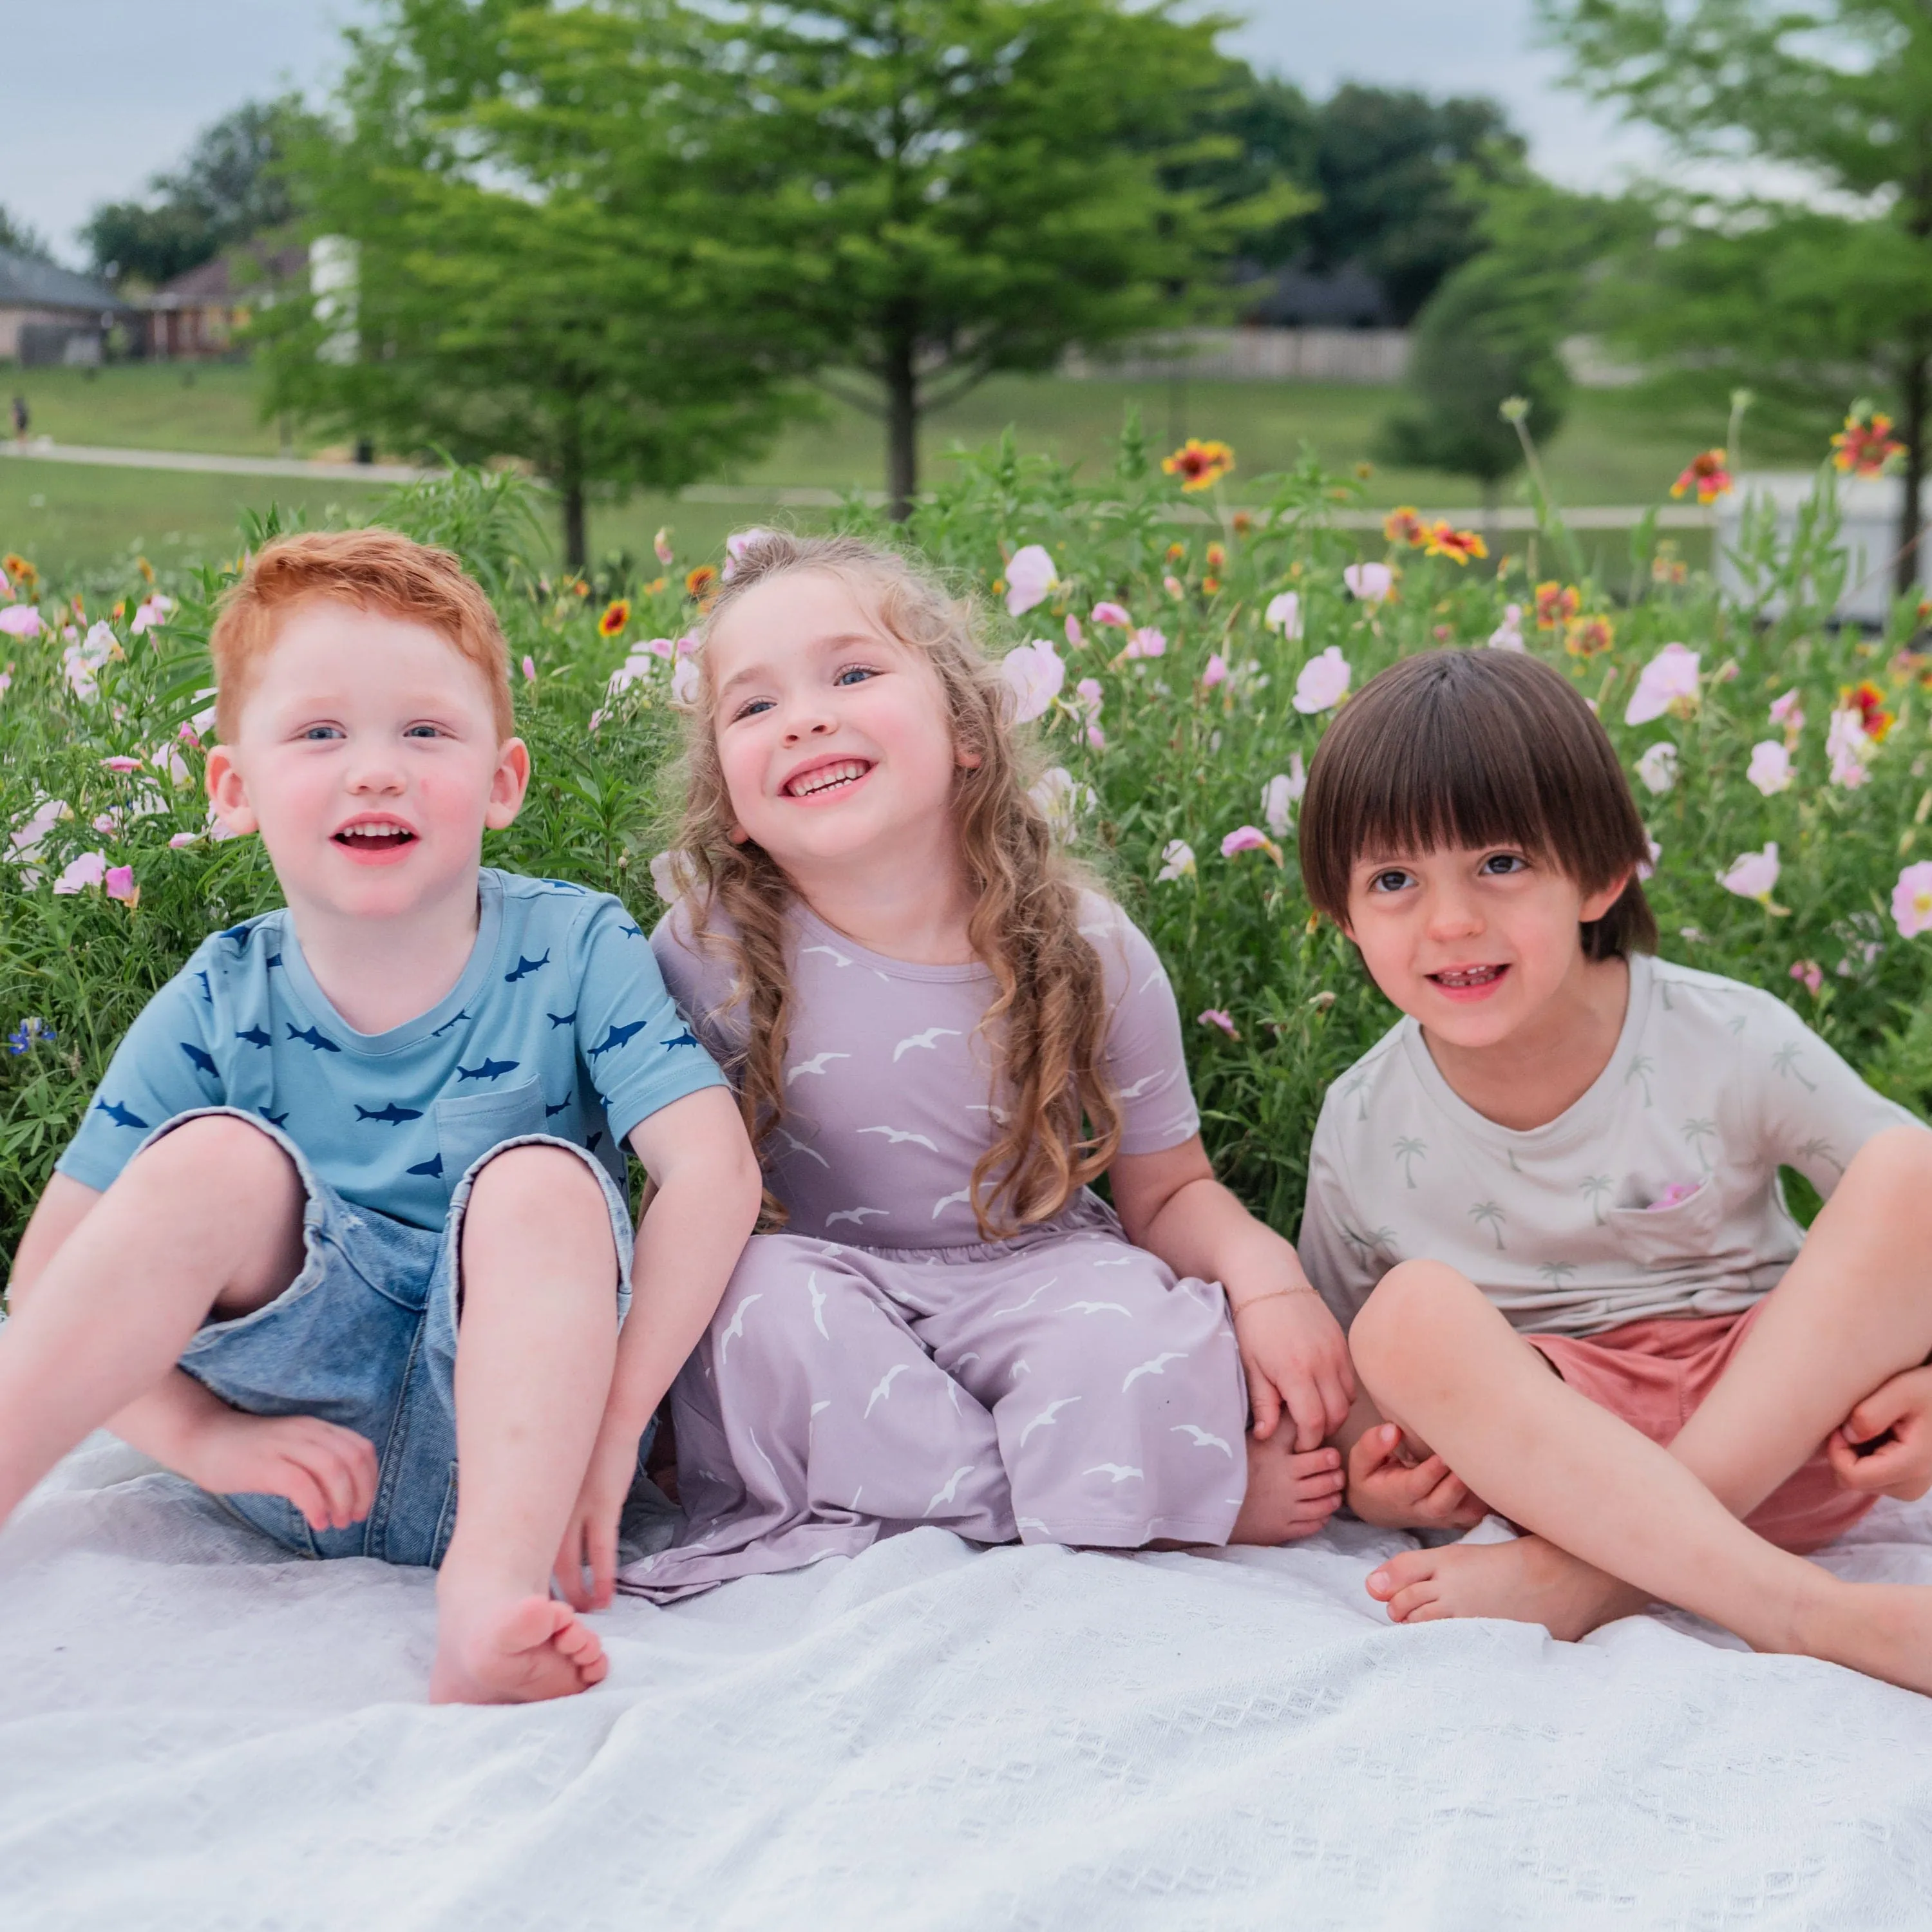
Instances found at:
x=1672 y=1239
x=469 y=1125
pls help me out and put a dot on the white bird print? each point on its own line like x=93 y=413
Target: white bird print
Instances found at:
x=1019 y=1306
x=1157 y=977
x=1031 y=1523
x=930 y=1040
x=737 y=1328
x=952 y=1488
x=832 y=952
x=1022 y=1368
x=1139 y=1087
x=856 y=1214
x=818 y=1293
x=1118 y=1470
x=999 y=1114
x=1202 y=1440
x=1099 y=1308
x=1117 y=1261
x=964 y=1198
x=764 y=1459
x=884 y=1389
x=798 y=1146
x=1045 y=1419
x=952 y=1391
x=1096 y=932
x=816 y=1064
x=855 y=1494
x=817 y=1406
x=965 y=1359
x=1153 y=1368
x=896 y=1135
x=831 y=1251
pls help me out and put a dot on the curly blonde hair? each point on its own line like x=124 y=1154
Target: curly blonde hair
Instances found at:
x=1060 y=1124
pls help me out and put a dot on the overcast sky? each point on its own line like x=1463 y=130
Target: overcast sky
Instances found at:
x=102 y=93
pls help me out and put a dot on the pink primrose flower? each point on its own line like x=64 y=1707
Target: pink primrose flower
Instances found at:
x=1214 y=1016
x=1669 y=678
x=1115 y=614
x=1912 y=900
x=1034 y=673
x=1323 y=683
x=1030 y=576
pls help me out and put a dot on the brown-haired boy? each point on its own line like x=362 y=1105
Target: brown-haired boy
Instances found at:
x=1548 y=1203
x=344 y=1217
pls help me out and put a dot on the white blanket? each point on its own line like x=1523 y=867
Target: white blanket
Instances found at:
x=196 y=1731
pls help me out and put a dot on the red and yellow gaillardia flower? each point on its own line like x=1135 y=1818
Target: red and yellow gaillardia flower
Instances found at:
x=1708 y=473
x=1459 y=546
x=1199 y=465
x=1866 y=446
x=616 y=616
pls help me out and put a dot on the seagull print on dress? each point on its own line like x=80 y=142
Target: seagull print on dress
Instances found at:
x=855 y=1215
x=816 y=1064
x=1203 y=1439
x=884 y=1388
x=898 y=1136
x=929 y=1039
x=1157 y=1367
x=1047 y=1416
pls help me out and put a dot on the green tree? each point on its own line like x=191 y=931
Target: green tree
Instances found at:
x=231 y=186
x=23 y=238
x=1803 y=294
x=932 y=191
x=526 y=282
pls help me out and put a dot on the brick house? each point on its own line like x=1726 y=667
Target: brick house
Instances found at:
x=49 y=314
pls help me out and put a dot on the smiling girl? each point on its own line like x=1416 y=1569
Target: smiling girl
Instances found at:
x=939 y=1036
x=1548 y=1202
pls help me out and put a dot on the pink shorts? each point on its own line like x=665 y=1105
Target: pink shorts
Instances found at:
x=1654 y=1374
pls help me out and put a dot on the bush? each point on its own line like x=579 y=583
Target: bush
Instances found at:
x=1193 y=725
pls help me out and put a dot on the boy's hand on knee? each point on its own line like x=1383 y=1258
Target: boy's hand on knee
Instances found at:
x=1386 y=1490
x=1896 y=1418
x=590 y=1536
x=329 y=1473
x=1297 y=1360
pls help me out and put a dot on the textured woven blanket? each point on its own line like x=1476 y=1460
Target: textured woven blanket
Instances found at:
x=198 y=1731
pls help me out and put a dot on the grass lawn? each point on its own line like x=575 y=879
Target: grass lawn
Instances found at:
x=1607 y=451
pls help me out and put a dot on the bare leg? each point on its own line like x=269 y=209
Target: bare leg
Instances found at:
x=1854 y=1309
x=536 y=1348
x=207 y=1219
x=1289 y=1495
x=1440 y=1361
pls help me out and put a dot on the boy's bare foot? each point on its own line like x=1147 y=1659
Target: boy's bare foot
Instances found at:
x=511 y=1650
x=1290 y=1496
x=1527 y=1581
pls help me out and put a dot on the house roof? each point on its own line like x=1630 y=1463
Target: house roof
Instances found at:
x=27 y=282
x=217 y=284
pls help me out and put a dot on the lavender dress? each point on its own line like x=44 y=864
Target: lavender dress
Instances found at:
x=877 y=1365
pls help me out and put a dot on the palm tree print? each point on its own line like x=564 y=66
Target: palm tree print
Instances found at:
x=1556 y=1273
x=1596 y=1185
x=1820 y=1149
x=1785 y=1060
x=1641 y=1068
x=1408 y=1150
x=1697 y=1132
x=1355 y=1087
x=1491 y=1214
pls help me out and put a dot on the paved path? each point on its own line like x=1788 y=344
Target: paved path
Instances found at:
x=42 y=449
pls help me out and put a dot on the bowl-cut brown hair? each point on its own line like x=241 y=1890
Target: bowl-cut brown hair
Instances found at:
x=1469 y=748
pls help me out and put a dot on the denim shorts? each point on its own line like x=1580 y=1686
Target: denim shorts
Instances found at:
x=365 y=1337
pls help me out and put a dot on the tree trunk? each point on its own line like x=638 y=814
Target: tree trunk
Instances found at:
x=902 y=380
x=576 y=551
x=1915 y=395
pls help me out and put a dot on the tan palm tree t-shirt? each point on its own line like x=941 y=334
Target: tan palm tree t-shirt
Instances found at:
x=1656 y=1194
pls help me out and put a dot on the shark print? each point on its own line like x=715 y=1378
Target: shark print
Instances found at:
x=551 y=1113
x=590 y=1145
x=256 y=1037
x=206 y=993
x=432 y=1167
x=491 y=1069
x=686 y=1038
x=617 y=1036
x=631 y=932
x=198 y=1057
x=455 y=1020
x=310 y=1037
x=121 y=1117
x=275 y=1120
x=393 y=1115
x=273 y=960
x=561 y=1019
x=523 y=968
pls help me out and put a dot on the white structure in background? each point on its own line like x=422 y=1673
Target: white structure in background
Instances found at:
x=1365 y=355
x=1868 y=535
x=332 y=282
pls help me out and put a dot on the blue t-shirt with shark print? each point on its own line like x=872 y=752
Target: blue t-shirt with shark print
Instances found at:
x=560 y=1025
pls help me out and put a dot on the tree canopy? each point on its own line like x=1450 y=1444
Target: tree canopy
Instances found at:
x=231 y=186
x=1810 y=294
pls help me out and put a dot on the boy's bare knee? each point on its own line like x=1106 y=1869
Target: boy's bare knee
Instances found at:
x=541 y=1191
x=1404 y=1318
x=220 y=1153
